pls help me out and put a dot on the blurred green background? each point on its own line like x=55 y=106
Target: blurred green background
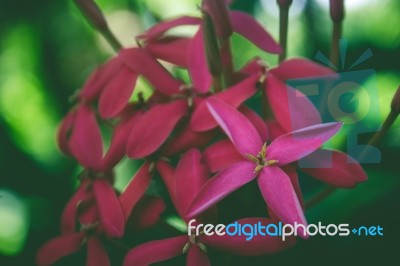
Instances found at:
x=47 y=49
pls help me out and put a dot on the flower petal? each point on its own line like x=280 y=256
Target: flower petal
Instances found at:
x=236 y=126
x=257 y=246
x=220 y=155
x=190 y=176
x=257 y=122
x=297 y=68
x=154 y=127
x=135 y=189
x=117 y=93
x=300 y=143
x=147 y=212
x=59 y=247
x=141 y=61
x=167 y=174
x=155 y=251
x=196 y=257
x=64 y=131
x=292 y=109
x=202 y=120
x=96 y=253
x=249 y=28
x=274 y=129
x=291 y=172
x=280 y=196
x=335 y=168
x=111 y=214
x=198 y=68
x=160 y=28
x=174 y=50
x=221 y=185
x=86 y=143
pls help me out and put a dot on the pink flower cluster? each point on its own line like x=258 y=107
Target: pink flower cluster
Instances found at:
x=219 y=142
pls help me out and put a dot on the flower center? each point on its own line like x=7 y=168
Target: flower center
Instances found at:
x=261 y=160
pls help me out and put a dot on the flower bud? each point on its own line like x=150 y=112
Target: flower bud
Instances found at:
x=396 y=102
x=93 y=13
x=337 y=10
x=218 y=11
x=284 y=3
x=211 y=46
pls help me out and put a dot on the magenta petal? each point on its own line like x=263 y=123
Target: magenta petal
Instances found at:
x=220 y=155
x=196 y=257
x=111 y=213
x=59 y=247
x=147 y=212
x=221 y=185
x=249 y=28
x=292 y=109
x=236 y=126
x=190 y=176
x=86 y=143
x=141 y=61
x=135 y=189
x=160 y=28
x=154 y=127
x=96 y=253
x=117 y=93
x=257 y=122
x=291 y=172
x=174 y=50
x=300 y=68
x=300 y=143
x=274 y=129
x=167 y=174
x=198 y=68
x=64 y=131
x=335 y=168
x=202 y=120
x=280 y=196
x=257 y=246
x=155 y=251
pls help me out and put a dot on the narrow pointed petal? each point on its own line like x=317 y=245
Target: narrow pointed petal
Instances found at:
x=96 y=253
x=99 y=79
x=249 y=28
x=300 y=143
x=198 y=69
x=135 y=189
x=154 y=127
x=160 y=28
x=174 y=50
x=221 y=185
x=197 y=257
x=117 y=93
x=257 y=246
x=190 y=176
x=257 y=122
x=297 y=68
x=335 y=168
x=111 y=214
x=167 y=173
x=291 y=172
x=155 y=251
x=236 y=126
x=141 y=61
x=86 y=143
x=147 y=212
x=280 y=196
x=64 y=132
x=292 y=109
x=274 y=129
x=202 y=120
x=220 y=155
x=188 y=139
x=59 y=247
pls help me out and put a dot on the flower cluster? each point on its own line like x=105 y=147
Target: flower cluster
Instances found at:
x=199 y=138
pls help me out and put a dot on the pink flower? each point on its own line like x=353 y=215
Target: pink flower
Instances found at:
x=261 y=162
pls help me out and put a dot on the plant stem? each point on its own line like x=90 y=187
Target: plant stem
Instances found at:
x=283 y=31
x=336 y=35
x=226 y=53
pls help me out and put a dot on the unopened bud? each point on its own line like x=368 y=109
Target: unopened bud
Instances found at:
x=337 y=10
x=396 y=102
x=93 y=13
x=284 y=3
x=218 y=11
x=211 y=46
